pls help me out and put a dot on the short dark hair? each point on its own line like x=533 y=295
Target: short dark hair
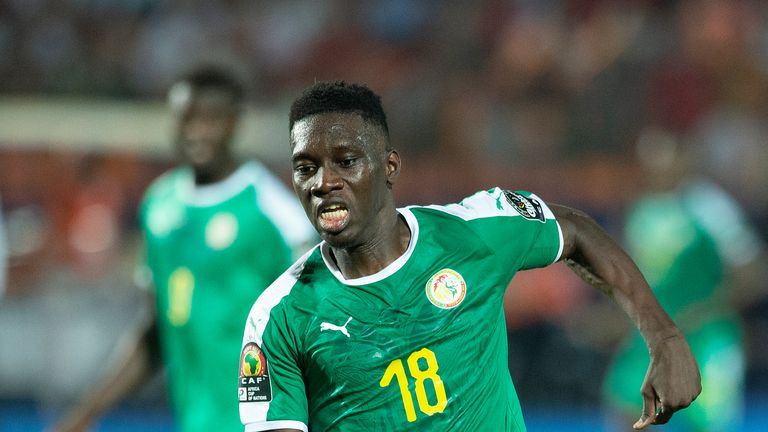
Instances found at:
x=339 y=96
x=210 y=77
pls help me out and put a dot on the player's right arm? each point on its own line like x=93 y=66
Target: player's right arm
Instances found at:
x=137 y=358
x=672 y=381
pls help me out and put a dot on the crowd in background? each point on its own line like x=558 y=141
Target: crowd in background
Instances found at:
x=510 y=83
x=546 y=95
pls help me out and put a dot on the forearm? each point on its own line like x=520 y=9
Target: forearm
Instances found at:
x=632 y=294
x=672 y=381
x=136 y=360
x=602 y=263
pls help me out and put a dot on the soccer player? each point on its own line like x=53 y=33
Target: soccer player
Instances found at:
x=395 y=320
x=703 y=260
x=217 y=233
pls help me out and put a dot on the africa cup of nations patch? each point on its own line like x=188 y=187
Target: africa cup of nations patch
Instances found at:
x=254 y=379
x=528 y=208
x=446 y=289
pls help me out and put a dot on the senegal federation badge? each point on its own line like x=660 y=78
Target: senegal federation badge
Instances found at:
x=254 y=379
x=446 y=289
x=221 y=231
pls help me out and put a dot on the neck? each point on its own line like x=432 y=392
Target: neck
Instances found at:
x=216 y=173
x=373 y=256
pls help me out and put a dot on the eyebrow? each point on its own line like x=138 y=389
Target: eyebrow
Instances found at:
x=299 y=156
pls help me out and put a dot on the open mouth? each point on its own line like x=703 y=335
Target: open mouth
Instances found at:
x=333 y=218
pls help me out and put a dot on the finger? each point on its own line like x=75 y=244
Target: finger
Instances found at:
x=664 y=413
x=648 y=416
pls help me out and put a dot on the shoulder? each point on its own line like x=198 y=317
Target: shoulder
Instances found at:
x=160 y=208
x=264 y=181
x=277 y=296
x=722 y=218
x=166 y=184
x=270 y=190
x=280 y=206
x=494 y=202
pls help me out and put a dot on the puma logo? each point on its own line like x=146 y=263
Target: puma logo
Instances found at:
x=328 y=326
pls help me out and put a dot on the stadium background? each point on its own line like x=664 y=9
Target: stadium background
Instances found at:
x=544 y=95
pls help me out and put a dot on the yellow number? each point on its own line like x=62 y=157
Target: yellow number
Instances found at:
x=396 y=369
x=181 y=283
x=429 y=374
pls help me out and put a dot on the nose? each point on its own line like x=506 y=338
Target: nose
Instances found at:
x=326 y=181
x=199 y=129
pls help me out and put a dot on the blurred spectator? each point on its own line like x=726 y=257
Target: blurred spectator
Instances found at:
x=94 y=227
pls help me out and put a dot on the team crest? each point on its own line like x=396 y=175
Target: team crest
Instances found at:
x=446 y=289
x=528 y=208
x=255 y=385
x=221 y=231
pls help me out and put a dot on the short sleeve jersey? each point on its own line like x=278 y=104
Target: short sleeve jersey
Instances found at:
x=420 y=345
x=211 y=251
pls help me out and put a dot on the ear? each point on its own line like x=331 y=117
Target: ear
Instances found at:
x=393 y=164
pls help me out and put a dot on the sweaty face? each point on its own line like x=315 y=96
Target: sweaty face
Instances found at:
x=340 y=173
x=205 y=125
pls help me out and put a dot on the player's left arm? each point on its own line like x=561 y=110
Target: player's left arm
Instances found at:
x=673 y=380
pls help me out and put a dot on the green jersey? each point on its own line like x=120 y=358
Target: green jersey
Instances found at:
x=211 y=251
x=420 y=345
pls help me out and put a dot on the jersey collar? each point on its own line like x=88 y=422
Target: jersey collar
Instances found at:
x=387 y=271
x=216 y=193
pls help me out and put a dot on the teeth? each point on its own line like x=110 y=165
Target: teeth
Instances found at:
x=333 y=214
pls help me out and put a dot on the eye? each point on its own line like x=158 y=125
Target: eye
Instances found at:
x=304 y=169
x=347 y=162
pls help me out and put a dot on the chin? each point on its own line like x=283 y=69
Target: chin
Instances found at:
x=339 y=240
x=204 y=164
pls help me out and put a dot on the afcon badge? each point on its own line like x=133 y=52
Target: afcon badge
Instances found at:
x=255 y=385
x=446 y=289
x=252 y=361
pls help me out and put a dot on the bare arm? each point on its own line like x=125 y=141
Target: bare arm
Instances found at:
x=673 y=380
x=138 y=359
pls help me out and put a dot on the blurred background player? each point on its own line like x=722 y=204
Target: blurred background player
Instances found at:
x=704 y=261
x=217 y=232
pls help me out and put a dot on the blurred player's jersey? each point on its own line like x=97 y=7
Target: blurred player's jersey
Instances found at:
x=420 y=345
x=685 y=242
x=211 y=251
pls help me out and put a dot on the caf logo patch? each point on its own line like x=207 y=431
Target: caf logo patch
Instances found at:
x=255 y=385
x=446 y=289
x=528 y=208
x=252 y=361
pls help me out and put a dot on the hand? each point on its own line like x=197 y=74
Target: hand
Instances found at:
x=671 y=383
